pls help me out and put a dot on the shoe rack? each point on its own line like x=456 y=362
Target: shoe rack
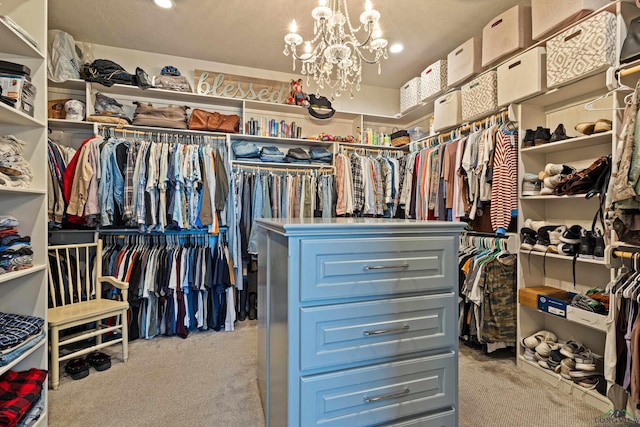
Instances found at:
x=566 y=105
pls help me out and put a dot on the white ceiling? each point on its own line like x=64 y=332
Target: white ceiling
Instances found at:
x=250 y=32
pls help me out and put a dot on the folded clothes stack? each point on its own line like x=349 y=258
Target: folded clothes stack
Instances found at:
x=15 y=250
x=298 y=155
x=15 y=171
x=18 y=333
x=272 y=154
x=245 y=150
x=320 y=155
x=20 y=393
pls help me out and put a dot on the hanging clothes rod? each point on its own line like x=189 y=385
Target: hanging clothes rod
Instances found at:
x=375 y=150
x=629 y=71
x=510 y=238
x=159 y=134
x=320 y=169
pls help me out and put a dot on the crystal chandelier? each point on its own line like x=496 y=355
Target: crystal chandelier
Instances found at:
x=335 y=55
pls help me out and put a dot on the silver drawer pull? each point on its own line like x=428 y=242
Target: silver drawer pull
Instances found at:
x=385 y=267
x=404 y=328
x=386 y=396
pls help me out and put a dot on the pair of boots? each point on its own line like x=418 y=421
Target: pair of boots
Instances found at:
x=247 y=305
x=543 y=135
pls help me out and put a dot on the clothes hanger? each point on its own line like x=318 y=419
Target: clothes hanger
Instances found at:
x=621 y=87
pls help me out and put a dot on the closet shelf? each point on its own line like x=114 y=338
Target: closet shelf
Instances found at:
x=602 y=328
x=59 y=124
x=13 y=43
x=71 y=84
x=42 y=421
x=16 y=190
x=601 y=401
x=277 y=140
x=603 y=138
x=373 y=147
x=12 y=116
x=267 y=165
x=272 y=107
x=21 y=273
x=589 y=84
x=571 y=197
x=567 y=258
x=6 y=368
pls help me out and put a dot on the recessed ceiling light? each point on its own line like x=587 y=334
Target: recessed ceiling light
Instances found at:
x=165 y=4
x=396 y=48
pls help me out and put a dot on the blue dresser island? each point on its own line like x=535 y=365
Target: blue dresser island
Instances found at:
x=357 y=322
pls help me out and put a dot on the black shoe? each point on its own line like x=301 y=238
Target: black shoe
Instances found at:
x=77 y=368
x=572 y=235
x=542 y=242
x=587 y=244
x=542 y=136
x=598 y=248
x=528 y=138
x=567 y=249
x=527 y=238
x=242 y=305
x=559 y=134
x=99 y=361
x=253 y=306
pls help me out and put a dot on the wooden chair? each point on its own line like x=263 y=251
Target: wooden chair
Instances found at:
x=76 y=300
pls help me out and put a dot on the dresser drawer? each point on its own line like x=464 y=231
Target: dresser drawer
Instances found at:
x=357 y=332
x=379 y=393
x=357 y=267
x=441 y=419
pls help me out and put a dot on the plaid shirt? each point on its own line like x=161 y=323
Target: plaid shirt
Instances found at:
x=19 y=391
x=132 y=155
x=358 y=183
x=15 y=328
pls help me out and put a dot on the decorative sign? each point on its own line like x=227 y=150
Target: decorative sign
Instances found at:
x=232 y=86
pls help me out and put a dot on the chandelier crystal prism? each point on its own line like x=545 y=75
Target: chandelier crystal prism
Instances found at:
x=334 y=56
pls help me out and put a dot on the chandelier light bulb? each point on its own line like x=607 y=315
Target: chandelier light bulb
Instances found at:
x=322 y=2
x=307 y=47
x=165 y=4
x=293 y=27
x=377 y=32
x=368 y=6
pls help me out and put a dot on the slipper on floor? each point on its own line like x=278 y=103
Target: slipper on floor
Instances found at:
x=77 y=368
x=99 y=361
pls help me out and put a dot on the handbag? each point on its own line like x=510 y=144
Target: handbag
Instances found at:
x=631 y=46
x=172 y=116
x=400 y=137
x=214 y=122
x=589 y=181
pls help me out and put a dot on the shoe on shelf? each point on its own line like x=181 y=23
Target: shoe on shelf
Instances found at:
x=534 y=225
x=552 y=181
x=559 y=134
x=584 y=357
x=587 y=244
x=571 y=348
x=566 y=366
x=531 y=177
x=527 y=238
x=567 y=249
x=542 y=240
x=555 y=234
x=528 y=140
x=533 y=340
x=546 y=191
x=602 y=125
x=558 y=169
x=572 y=235
x=531 y=188
x=542 y=135
x=598 y=248
x=586 y=128
x=590 y=367
x=589 y=383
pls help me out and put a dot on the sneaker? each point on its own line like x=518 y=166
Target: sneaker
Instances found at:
x=534 y=225
x=531 y=188
x=567 y=249
x=527 y=238
x=553 y=180
x=598 y=248
x=589 y=383
x=590 y=367
x=542 y=241
x=602 y=125
x=530 y=177
x=546 y=191
x=584 y=357
x=587 y=244
x=528 y=140
x=572 y=235
x=542 y=135
x=555 y=234
x=559 y=134
x=558 y=169
x=585 y=128
x=571 y=348
x=555 y=356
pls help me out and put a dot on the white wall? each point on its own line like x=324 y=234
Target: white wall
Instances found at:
x=369 y=100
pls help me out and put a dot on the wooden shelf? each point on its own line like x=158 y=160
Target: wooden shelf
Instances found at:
x=12 y=116
x=61 y=124
x=12 y=275
x=13 y=43
x=571 y=144
x=278 y=140
x=563 y=257
x=24 y=355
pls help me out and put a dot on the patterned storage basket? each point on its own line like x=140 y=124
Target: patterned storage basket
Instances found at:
x=480 y=96
x=582 y=50
x=409 y=93
x=433 y=80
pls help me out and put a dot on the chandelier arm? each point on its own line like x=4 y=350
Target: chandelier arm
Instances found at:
x=369 y=61
x=346 y=14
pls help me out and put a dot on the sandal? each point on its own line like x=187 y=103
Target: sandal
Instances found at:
x=77 y=368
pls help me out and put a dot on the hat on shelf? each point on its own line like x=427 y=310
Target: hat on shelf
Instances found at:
x=169 y=70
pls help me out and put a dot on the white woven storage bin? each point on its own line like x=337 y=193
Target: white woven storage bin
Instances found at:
x=522 y=77
x=433 y=79
x=549 y=16
x=464 y=61
x=480 y=96
x=582 y=50
x=506 y=33
x=447 y=111
x=409 y=94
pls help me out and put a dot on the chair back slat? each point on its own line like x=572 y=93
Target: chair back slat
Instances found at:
x=72 y=286
x=98 y=265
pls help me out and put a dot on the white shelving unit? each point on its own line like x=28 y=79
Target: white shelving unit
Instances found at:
x=25 y=292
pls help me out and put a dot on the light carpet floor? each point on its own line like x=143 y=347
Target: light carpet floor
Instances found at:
x=209 y=380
